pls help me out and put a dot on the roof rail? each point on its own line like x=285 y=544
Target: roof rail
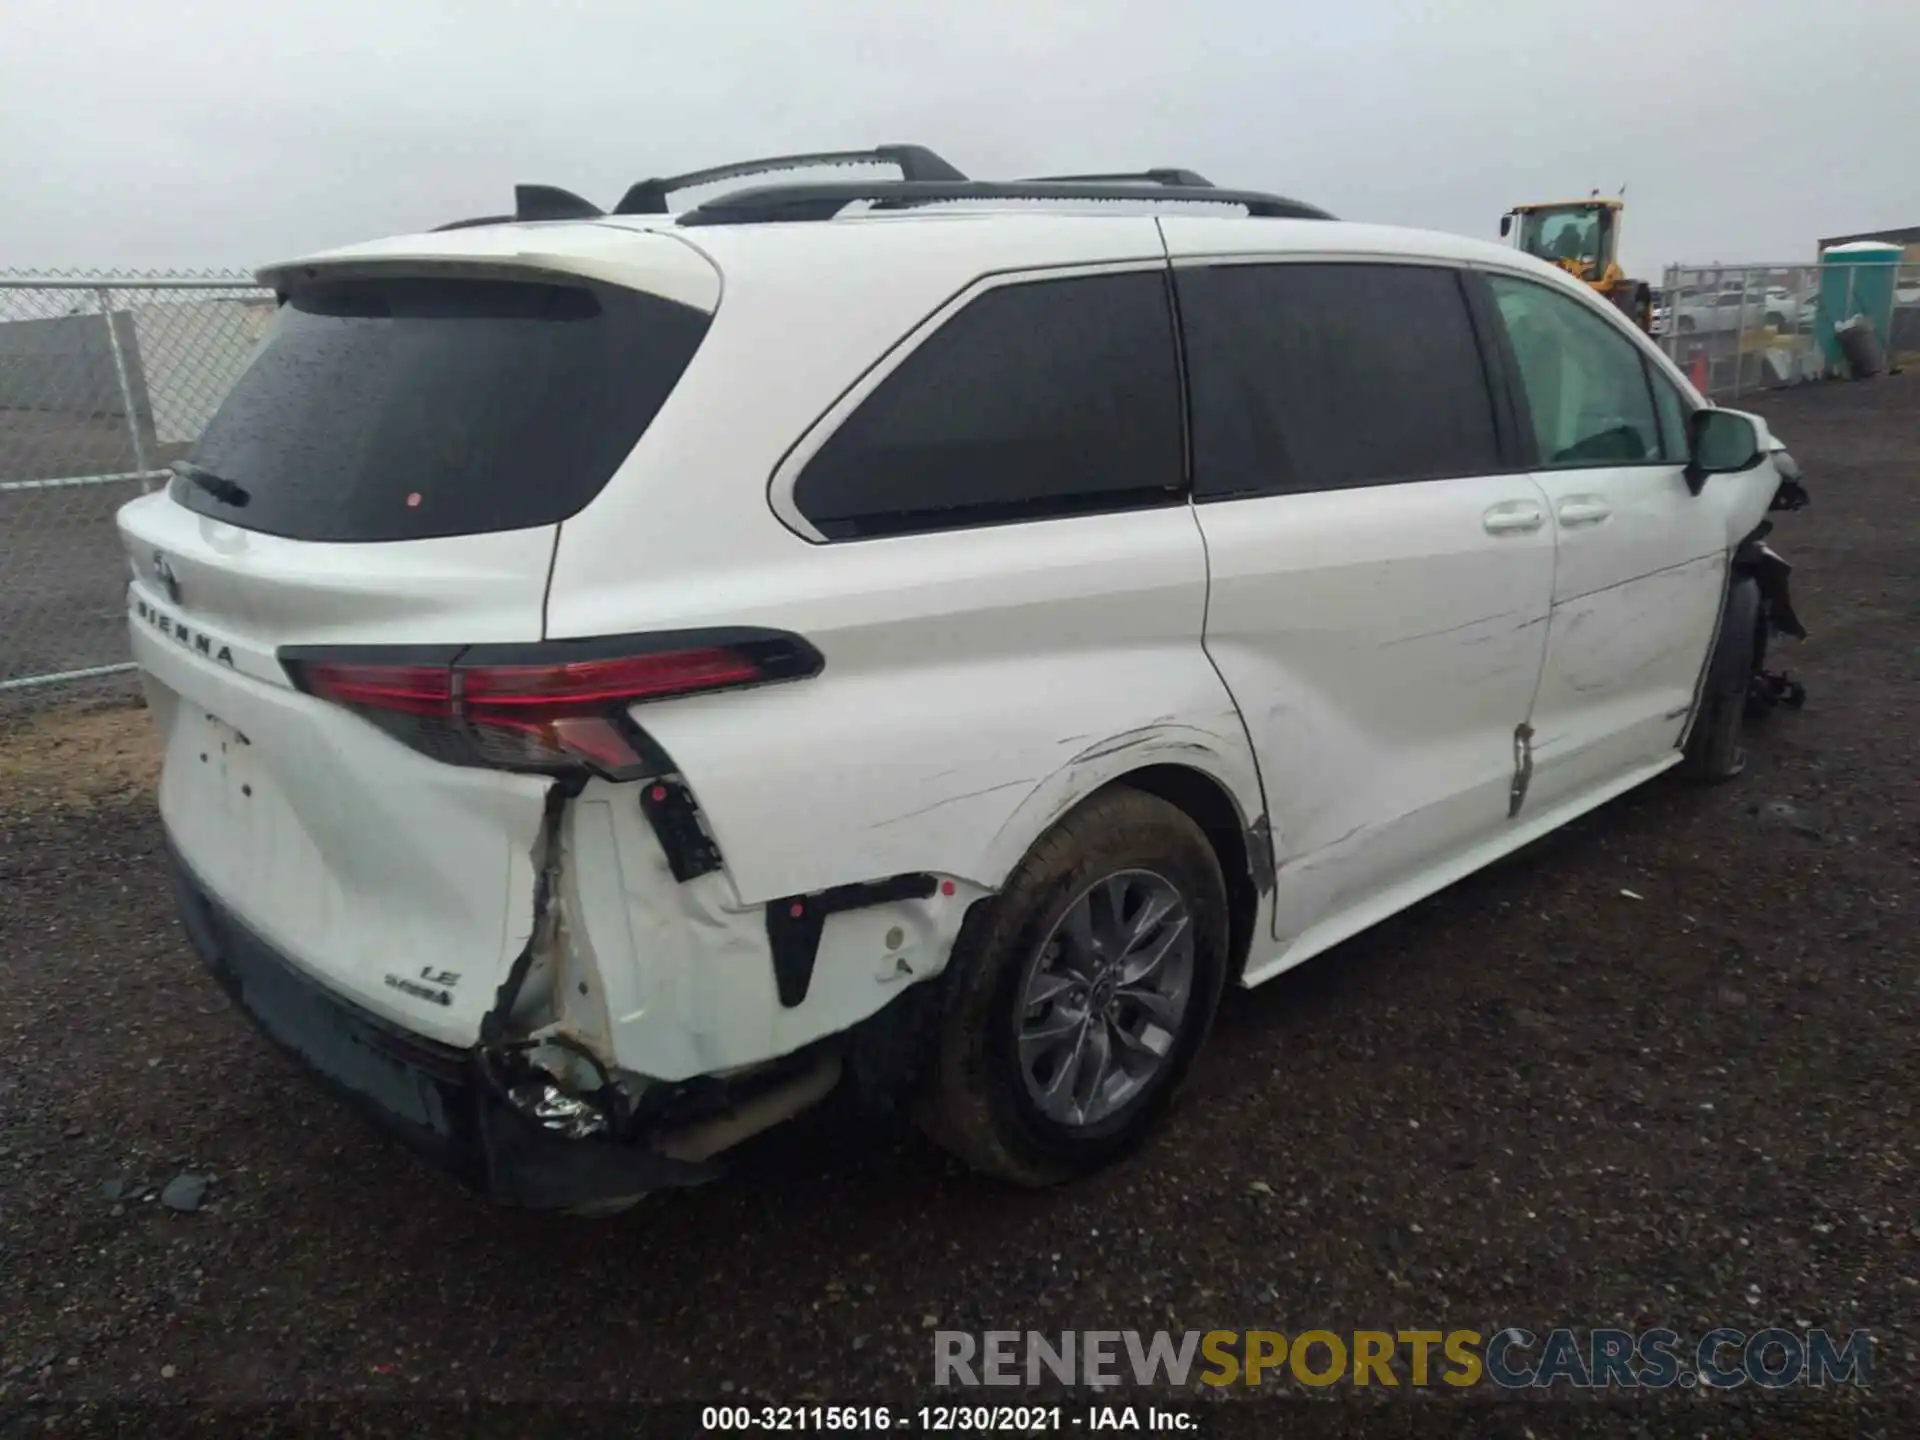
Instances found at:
x=916 y=163
x=824 y=201
x=1190 y=178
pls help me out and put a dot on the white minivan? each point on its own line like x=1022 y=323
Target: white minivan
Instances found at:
x=623 y=674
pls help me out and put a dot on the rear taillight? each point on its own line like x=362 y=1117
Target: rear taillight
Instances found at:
x=555 y=707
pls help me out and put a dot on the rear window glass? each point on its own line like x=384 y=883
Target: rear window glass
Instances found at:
x=408 y=408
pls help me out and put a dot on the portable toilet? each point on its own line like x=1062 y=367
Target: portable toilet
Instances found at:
x=1856 y=279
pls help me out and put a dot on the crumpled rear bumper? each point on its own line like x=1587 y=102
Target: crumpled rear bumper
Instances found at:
x=425 y=1093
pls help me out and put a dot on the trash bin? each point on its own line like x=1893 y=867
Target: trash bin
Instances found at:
x=1859 y=345
x=1856 y=279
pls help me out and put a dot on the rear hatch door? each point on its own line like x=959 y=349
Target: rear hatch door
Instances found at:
x=386 y=479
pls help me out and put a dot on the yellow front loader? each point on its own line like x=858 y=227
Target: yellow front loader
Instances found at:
x=1582 y=237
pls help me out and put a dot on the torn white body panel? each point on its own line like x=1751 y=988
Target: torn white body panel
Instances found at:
x=679 y=978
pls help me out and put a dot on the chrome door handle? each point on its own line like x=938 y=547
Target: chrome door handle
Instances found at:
x=1514 y=517
x=1583 y=510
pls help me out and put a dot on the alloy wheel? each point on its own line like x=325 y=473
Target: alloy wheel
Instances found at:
x=1105 y=996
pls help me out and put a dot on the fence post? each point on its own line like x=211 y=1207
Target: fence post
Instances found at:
x=1740 y=333
x=1805 y=327
x=1670 y=285
x=105 y=297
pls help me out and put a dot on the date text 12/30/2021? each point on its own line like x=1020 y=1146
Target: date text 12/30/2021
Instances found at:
x=947 y=1419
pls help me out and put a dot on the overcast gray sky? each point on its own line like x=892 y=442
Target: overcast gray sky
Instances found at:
x=236 y=132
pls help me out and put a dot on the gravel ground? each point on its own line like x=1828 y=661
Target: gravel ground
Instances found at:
x=1534 y=1100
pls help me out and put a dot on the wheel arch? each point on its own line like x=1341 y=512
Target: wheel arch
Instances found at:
x=1215 y=786
x=1207 y=776
x=1245 y=851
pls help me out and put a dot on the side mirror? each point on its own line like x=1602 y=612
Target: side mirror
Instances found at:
x=1506 y=223
x=1720 y=442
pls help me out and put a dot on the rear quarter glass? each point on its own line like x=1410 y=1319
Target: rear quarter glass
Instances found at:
x=411 y=408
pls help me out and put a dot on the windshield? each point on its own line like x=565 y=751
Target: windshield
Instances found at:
x=1571 y=233
x=420 y=406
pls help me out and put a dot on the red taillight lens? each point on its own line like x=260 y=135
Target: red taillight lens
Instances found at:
x=587 y=686
x=402 y=689
x=552 y=708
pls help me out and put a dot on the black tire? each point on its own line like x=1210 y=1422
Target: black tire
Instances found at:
x=1685 y=325
x=1714 y=752
x=976 y=1104
x=1777 y=321
x=1758 y=701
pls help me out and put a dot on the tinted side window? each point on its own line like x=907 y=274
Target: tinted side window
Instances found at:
x=1671 y=407
x=1320 y=377
x=1040 y=399
x=1585 y=383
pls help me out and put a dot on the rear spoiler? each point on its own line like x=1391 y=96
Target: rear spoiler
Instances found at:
x=636 y=259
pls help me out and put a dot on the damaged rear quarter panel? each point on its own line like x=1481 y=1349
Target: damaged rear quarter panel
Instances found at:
x=976 y=684
x=684 y=972
x=675 y=979
x=834 y=785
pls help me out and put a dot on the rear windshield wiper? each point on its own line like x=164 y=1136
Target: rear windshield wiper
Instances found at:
x=227 y=492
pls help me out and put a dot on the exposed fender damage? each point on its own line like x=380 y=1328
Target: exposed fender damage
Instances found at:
x=639 y=1017
x=529 y=1055
x=1754 y=557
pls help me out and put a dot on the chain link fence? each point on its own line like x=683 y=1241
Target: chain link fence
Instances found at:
x=1903 y=348
x=104 y=379
x=1737 y=329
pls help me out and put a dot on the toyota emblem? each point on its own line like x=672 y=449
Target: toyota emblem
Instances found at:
x=163 y=572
